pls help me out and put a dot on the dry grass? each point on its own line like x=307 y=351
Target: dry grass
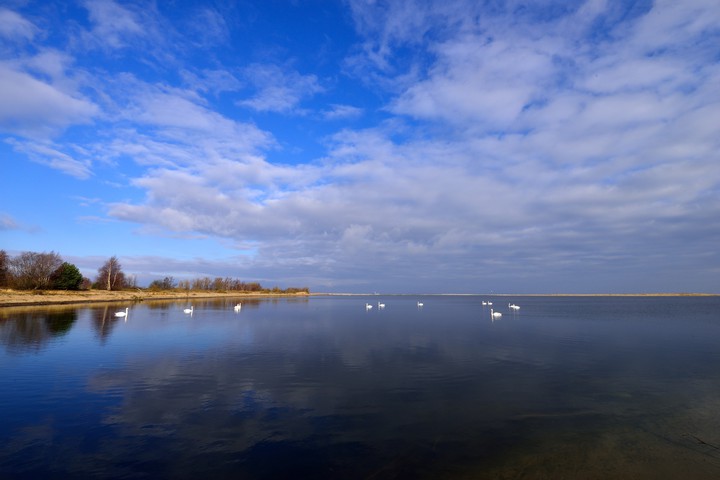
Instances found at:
x=9 y=298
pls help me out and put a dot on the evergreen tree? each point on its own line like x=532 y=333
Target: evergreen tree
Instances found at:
x=67 y=277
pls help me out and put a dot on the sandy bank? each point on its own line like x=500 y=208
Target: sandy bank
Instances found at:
x=14 y=298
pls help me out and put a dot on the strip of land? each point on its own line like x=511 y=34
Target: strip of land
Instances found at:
x=15 y=298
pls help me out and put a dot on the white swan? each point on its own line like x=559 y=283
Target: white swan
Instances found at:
x=484 y=302
x=420 y=304
x=189 y=310
x=122 y=314
x=368 y=306
x=495 y=314
x=238 y=307
x=381 y=305
x=514 y=307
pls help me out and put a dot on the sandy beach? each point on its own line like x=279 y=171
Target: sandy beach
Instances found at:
x=14 y=298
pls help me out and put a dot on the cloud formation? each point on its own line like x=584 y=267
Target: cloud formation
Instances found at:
x=453 y=146
x=277 y=89
x=35 y=108
x=14 y=27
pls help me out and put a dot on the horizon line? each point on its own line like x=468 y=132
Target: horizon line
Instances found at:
x=655 y=294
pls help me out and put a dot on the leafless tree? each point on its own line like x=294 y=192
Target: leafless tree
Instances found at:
x=33 y=269
x=131 y=281
x=4 y=269
x=110 y=275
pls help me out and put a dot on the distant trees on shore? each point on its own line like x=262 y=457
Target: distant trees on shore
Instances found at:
x=39 y=271
x=219 y=284
x=48 y=271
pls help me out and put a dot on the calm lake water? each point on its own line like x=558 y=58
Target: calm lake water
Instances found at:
x=566 y=387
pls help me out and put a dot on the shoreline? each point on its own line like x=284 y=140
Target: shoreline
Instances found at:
x=29 y=298
x=679 y=294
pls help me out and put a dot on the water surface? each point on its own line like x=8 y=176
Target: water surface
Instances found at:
x=321 y=387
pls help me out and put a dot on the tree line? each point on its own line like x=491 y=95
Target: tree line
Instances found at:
x=219 y=284
x=48 y=271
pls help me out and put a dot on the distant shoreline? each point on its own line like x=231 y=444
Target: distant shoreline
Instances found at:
x=517 y=294
x=29 y=298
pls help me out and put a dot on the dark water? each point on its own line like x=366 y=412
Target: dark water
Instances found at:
x=567 y=387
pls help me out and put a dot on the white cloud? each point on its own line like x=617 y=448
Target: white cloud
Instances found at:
x=337 y=112
x=213 y=81
x=49 y=63
x=48 y=154
x=278 y=89
x=7 y=222
x=209 y=27
x=404 y=23
x=14 y=27
x=634 y=74
x=114 y=25
x=175 y=126
x=489 y=84
x=675 y=27
x=31 y=107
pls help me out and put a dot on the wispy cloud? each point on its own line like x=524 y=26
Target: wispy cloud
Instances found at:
x=31 y=107
x=114 y=25
x=212 y=81
x=13 y=26
x=40 y=97
x=7 y=222
x=48 y=154
x=278 y=89
x=337 y=112
x=208 y=27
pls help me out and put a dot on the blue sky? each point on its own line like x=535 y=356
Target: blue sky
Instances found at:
x=368 y=146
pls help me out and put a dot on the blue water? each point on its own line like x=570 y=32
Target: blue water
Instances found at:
x=566 y=387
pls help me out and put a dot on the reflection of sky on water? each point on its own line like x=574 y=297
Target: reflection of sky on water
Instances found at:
x=325 y=382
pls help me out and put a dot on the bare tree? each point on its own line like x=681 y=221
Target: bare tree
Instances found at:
x=34 y=270
x=131 y=281
x=218 y=285
x=110 y=275
x=167 y=283
x=202 y=283
x=4 y=269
